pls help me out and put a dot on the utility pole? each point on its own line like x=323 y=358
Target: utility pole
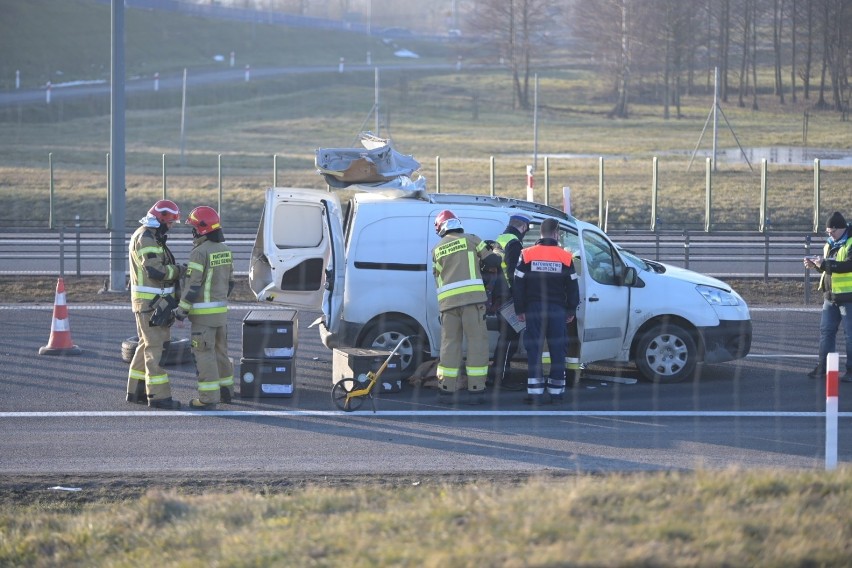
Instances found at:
x=117 y=248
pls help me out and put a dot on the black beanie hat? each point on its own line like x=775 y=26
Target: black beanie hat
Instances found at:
x=836 y=221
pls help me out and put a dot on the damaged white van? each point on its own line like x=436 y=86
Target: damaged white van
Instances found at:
x=367 y=267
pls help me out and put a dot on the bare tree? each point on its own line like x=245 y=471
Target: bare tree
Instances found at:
x=747 y=25
x=794 y=28
x=513 y=28
x=777 y=27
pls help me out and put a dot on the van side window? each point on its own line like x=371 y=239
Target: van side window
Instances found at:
x=571 y=242
x=297 y=225
x=601 y=260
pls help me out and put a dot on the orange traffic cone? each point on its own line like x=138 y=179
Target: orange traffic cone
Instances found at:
x=60 y=330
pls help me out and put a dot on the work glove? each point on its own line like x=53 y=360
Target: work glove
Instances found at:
x=180 y=313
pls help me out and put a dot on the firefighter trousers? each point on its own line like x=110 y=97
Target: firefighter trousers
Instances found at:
x=213 y=366
x=146 y=377
x=459 y=324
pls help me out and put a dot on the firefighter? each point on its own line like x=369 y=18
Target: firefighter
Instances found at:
x=154 y=276
x=208 y=282
x=511 y=243
x=461 y=300
x=546 y=295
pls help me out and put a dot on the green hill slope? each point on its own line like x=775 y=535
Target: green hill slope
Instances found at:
x=69 y=40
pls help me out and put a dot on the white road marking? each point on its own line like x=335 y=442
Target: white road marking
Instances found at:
x=424 y=413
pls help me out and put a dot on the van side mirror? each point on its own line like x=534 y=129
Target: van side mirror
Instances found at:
x=628 y=277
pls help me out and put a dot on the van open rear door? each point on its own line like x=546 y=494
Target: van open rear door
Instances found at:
x=297 y=257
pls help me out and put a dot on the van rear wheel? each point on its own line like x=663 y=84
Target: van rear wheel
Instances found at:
x=666 y=353
x=385 y=335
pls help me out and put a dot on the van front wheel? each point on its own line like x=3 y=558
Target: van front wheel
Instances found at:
x=666 y=353
x=386 y=335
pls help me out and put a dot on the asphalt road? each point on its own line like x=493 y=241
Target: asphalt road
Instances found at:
x=67 y=415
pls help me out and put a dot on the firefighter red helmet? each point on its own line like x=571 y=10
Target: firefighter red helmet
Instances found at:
x=165 y=211
x=445 y=221
x=203 y=219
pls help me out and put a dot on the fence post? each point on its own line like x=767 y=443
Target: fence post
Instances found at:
x=77 y=238
x=437 y=174
x=274 y=170
x=766 y=253
x=816 y=227
x=547 y=180
x=807 y=270
x=109 y=195
x=219 y=171
x=654 y=193
x=686 y=248
x=50 y=201
x=600 y=192
x=708 y=185
x=657 y=241
x=62 y=252
x=763 y=191
x=492 y=183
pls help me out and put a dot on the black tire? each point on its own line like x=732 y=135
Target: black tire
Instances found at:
x=666 y=353
x=385 y=335
x=175 y=352
x=339 y=391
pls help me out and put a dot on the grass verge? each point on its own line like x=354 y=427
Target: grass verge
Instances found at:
x=727 y=518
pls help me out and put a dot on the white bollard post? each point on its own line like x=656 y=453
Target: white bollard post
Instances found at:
x=369 y=58
x=566 y=199
x=47 y=93
x=340 y=66
x=530 y=184
x=831 y=396
x=458 y=63
x=156 y=82
x=17 y=79
x=248 y=73
x=232 y=58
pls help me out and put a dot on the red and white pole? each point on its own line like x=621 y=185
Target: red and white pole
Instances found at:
x=530 y=184
x=566 y=199
x=47 y=93
x=156 y=81
x=831 y=396
x=248 y=73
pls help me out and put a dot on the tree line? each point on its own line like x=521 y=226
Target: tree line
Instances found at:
x=659 y=50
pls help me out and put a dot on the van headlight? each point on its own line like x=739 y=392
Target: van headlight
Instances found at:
x=717 y=296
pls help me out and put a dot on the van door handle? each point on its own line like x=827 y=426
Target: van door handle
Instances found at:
x=594 y=299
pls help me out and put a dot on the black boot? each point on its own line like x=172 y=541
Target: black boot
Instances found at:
x=196 y=404
x=225 y=395
x=818 y=371
x=164 y=403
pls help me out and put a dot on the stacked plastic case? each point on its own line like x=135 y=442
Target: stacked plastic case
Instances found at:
x=267 y=367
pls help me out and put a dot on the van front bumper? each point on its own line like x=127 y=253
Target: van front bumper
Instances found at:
x=729 y=340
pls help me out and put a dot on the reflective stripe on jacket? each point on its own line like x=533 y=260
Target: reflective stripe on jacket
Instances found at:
x=455 y=264
x=209 y=278
x=837 y=272
x=152 y=268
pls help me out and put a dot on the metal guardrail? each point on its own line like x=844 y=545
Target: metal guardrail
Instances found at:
x=721 y=254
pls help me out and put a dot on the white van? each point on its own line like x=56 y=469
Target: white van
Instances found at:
x=368 y=268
